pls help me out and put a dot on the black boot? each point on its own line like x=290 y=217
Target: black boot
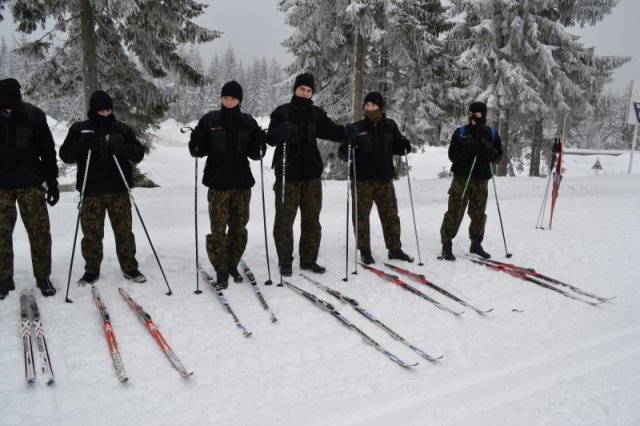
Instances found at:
x=46 y=288
x=313 y=267
x=476 y=248
x=6 y=285
x=222 y=281
x=89 y=278
x=447 y=252
x=366 y=257
x=237 y=278
x=135 y=276
x=400 y=255
x=286 y=270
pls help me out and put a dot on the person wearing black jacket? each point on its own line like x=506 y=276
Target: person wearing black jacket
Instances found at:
x=473 y=149
x=375 y=140
x=27 y=160
x=113 y=147
x=295 y=127
x=228 y=138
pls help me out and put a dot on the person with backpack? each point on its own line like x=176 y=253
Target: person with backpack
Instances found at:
x=104 y=149
x=228 y=138
x=473 y=149
x=375 y=140
x=294 y=130
x=27 y=160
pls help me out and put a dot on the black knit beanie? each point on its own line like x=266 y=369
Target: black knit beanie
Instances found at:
x=10 y=97
x=100 y=100
x=233 y=89
x=305 y=79
x=376 y=98
x=479 y=107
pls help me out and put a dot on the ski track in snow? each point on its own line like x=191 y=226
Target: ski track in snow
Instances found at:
x=558 y=361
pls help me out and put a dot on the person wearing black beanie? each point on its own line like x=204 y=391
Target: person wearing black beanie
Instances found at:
x=375 y=140
x=473 y=150
x=228 y=138
x=27 y=161
x=297 y=125
x=113 y=147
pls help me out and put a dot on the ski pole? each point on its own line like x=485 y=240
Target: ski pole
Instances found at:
x=264 y=220
x=554 y=151
x=195 y=213
x=75 y=235
x=142 y=222
x=284 y=180
x=413 y=213
x=495 y=192
x=355 y=211
x=346 y=251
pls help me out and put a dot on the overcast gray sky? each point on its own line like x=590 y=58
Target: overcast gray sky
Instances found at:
x=255 y=28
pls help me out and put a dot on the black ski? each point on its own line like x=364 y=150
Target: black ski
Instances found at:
x=535 y=274
x=423 y=280
x=328 y=307
x=256 y=289
x=523 y=276
x=397 y=281
x=356 y=306
x=223 y=300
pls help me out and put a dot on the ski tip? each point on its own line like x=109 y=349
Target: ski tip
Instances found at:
x=458 y=313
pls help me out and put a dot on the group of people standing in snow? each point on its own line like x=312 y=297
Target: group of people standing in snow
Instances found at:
x=104 y=150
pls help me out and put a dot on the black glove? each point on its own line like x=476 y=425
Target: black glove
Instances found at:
x=406 y=145
x=485 y=150
x=351 y=131
x=117 y=148
x=343 y=152
x=53 y=194
x=117 y=137
x=282 y=132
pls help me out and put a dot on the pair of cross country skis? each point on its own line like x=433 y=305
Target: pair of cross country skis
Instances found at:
x=31 y=328
x=112 y=343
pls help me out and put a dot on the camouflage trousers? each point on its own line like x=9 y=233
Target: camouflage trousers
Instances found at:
x=229 y=215
x=305 y=195
x=35 y=217
x=476 y=198
x=92 y=215
x=384 y=195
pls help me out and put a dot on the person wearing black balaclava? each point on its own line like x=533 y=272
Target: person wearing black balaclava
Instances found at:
x=473 y=150
x=376 y=139
x=228 y=138
x=105 y=191
x=297 y=125
x=27 y=160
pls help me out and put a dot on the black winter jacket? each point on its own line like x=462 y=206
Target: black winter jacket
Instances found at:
x=377 y=143
x=227 y=137
x=308 y=123
x=27 y=149
x=480 y=143
x=103 y=175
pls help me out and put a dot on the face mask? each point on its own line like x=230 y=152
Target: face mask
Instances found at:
x=479 y=121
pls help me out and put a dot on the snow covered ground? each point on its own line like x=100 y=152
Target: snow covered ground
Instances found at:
x=537 y=359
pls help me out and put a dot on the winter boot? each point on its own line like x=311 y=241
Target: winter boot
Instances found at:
x=286 y=270
x=400 y=255
x=6 y=285
x=135 y=276
x=46 y=288
x=237 y=278
x=313 y=267
x=89 y=278
x=447 y=252
x=222 y=280
x=366 y=257
x=476 y=248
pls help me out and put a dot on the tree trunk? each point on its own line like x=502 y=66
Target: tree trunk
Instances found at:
x=89 y=55
x=536 y=148
x=503 y=131
x=358 y=76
